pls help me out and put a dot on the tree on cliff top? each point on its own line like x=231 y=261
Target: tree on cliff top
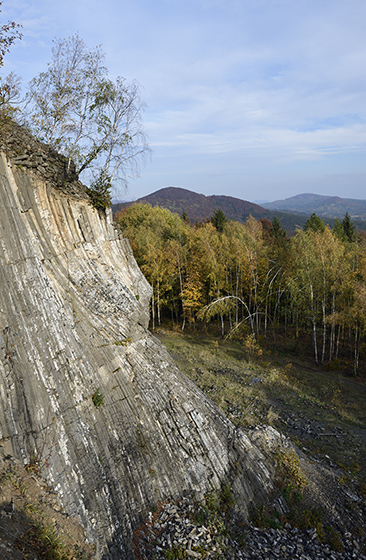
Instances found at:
x=10 y=85
x=94 y=121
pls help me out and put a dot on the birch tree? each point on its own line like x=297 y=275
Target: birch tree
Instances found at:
x=9 y=33
x=94 y=121
x=10 y=84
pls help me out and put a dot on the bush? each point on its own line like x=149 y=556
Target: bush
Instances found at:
x=100 y=192
x=252 y=348
x=290 y=475
x=98 y=398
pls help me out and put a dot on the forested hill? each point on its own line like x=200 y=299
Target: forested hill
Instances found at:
x=198 y=207
x=332 y=206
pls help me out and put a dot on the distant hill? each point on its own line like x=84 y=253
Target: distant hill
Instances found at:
x=324 y=206
x=198 y=207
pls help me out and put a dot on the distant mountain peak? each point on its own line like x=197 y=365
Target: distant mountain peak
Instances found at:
x=322 y=205
x=292 y=212
x=199 y=207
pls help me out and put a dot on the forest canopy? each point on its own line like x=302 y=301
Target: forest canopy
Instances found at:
x=252 y=278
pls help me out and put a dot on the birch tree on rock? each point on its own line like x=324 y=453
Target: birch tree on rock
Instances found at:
x=94 y=121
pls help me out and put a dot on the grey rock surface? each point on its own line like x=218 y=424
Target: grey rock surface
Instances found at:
x=74 y=310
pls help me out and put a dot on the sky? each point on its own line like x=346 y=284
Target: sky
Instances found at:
x=256 y=99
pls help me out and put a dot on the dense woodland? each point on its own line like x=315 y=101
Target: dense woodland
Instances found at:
x=253 y=281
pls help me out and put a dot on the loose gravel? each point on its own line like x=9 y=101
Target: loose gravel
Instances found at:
x=171 y=533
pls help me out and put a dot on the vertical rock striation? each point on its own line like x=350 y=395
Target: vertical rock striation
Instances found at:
x=74 y=312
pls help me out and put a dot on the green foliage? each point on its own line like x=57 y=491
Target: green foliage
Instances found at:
x=185 y=217
x=338 y=230
x=349 y=228
x=216 y=508
x=94 y=121
x=277 y=231
x=159 y=240
x=98 y=398
x=175 y=553
x=344 y=229
x=100 y=191
x=219 y=219
x=265 y=518
x=226 y=496
x=314 y=223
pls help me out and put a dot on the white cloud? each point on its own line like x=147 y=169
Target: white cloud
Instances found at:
x=233 y=88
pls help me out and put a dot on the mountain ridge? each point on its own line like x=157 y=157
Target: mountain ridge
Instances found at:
x=199 y=207
x=323 y=205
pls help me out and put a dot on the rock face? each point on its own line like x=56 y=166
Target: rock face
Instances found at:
x=87 y=393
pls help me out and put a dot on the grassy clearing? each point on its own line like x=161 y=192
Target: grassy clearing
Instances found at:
x=321 y=411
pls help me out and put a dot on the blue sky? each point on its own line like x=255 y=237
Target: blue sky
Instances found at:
x=258 y=99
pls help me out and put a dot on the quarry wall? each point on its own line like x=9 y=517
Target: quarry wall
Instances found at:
x=86 y=391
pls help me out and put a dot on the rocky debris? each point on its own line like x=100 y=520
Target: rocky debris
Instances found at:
x=301 y=426
x=25 y=152
x=332 y=480
x=172 y=533
x=255 y=381
x=290 y=543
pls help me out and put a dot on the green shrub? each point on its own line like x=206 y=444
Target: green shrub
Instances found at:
x=98 y=398
x=100 y=192
x=175 y=553
x=289 y=471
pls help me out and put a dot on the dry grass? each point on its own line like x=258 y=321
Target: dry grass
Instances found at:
x=322 y=411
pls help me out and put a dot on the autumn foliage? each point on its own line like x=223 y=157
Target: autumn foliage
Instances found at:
x=253 y=279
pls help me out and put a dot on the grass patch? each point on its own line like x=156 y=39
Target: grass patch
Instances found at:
x=124 y=342
x=48 y=545
x=36 y=526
